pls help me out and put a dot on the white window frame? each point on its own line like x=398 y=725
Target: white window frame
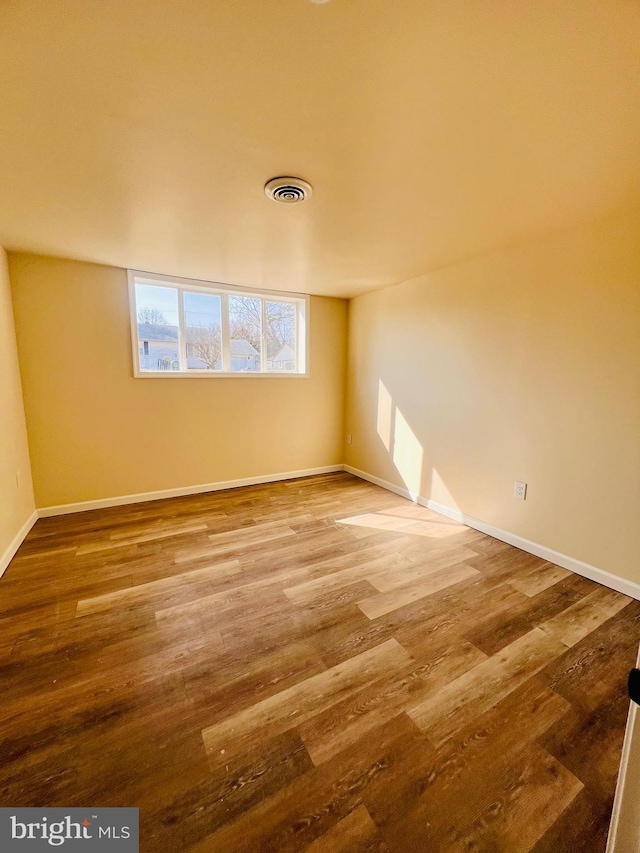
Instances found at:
x=300 y=300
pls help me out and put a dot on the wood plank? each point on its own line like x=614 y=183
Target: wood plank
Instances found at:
x=218 y=798
x=233 y=596
x=587 y=744
x=579 y=620
x=385 y=602
x=483 y=686
x=432 y=797
x=497 y=629
x=141 y=593
x=325 y=735
x=584 y=825
x=526 y=809
x=305 y=592
x=355 y=833
x=539 y=579
x=236 y=540
x=318 y=800
x=152 y=536
x=596 y=667
x=389 y=580
x=294 y=706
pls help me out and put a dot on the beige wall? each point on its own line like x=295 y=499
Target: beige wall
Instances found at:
x=96 y=432
x=16 y=497
x=523 y=364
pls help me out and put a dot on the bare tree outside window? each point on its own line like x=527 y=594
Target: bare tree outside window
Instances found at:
x=281 y=327
x=205 y=343
x=152 y=316
x=245 y=319
x=245 y=324
x=203 y=330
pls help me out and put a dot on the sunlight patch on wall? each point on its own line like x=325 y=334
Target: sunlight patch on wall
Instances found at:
x=407 y=454
x=385 y=415
x=440 y=493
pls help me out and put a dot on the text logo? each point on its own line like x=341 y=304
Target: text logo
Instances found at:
x=106 y=830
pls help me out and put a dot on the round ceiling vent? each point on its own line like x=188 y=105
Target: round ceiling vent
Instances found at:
x=288 y=190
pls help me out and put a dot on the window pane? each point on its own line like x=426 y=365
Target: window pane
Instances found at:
x=281 y=336
x=245 y=335
x=157 y=316
x=184 y=328
x=202 y=315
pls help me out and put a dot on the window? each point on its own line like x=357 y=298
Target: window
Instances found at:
x=187 y=328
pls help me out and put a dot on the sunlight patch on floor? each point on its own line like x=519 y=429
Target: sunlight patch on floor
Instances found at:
x=416 y=520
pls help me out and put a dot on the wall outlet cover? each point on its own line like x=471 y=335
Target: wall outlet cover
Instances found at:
x=520 y=490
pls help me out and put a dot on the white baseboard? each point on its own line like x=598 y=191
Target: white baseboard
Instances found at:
x=122 y=500
x=16 y=542
x=385 y=484
x=600 y=576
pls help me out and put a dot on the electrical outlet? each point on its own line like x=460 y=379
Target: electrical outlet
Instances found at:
x=349 y=439
x=520 y=490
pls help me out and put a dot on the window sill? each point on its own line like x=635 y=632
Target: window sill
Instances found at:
x=213 y=374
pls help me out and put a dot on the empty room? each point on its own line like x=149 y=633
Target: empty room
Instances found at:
x=320 y=426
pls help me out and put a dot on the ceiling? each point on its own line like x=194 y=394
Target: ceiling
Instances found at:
x=141 y=133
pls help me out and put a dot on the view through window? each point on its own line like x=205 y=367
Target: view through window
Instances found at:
x=185 y=328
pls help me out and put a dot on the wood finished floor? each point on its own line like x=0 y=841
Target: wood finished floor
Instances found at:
x=314 y=665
